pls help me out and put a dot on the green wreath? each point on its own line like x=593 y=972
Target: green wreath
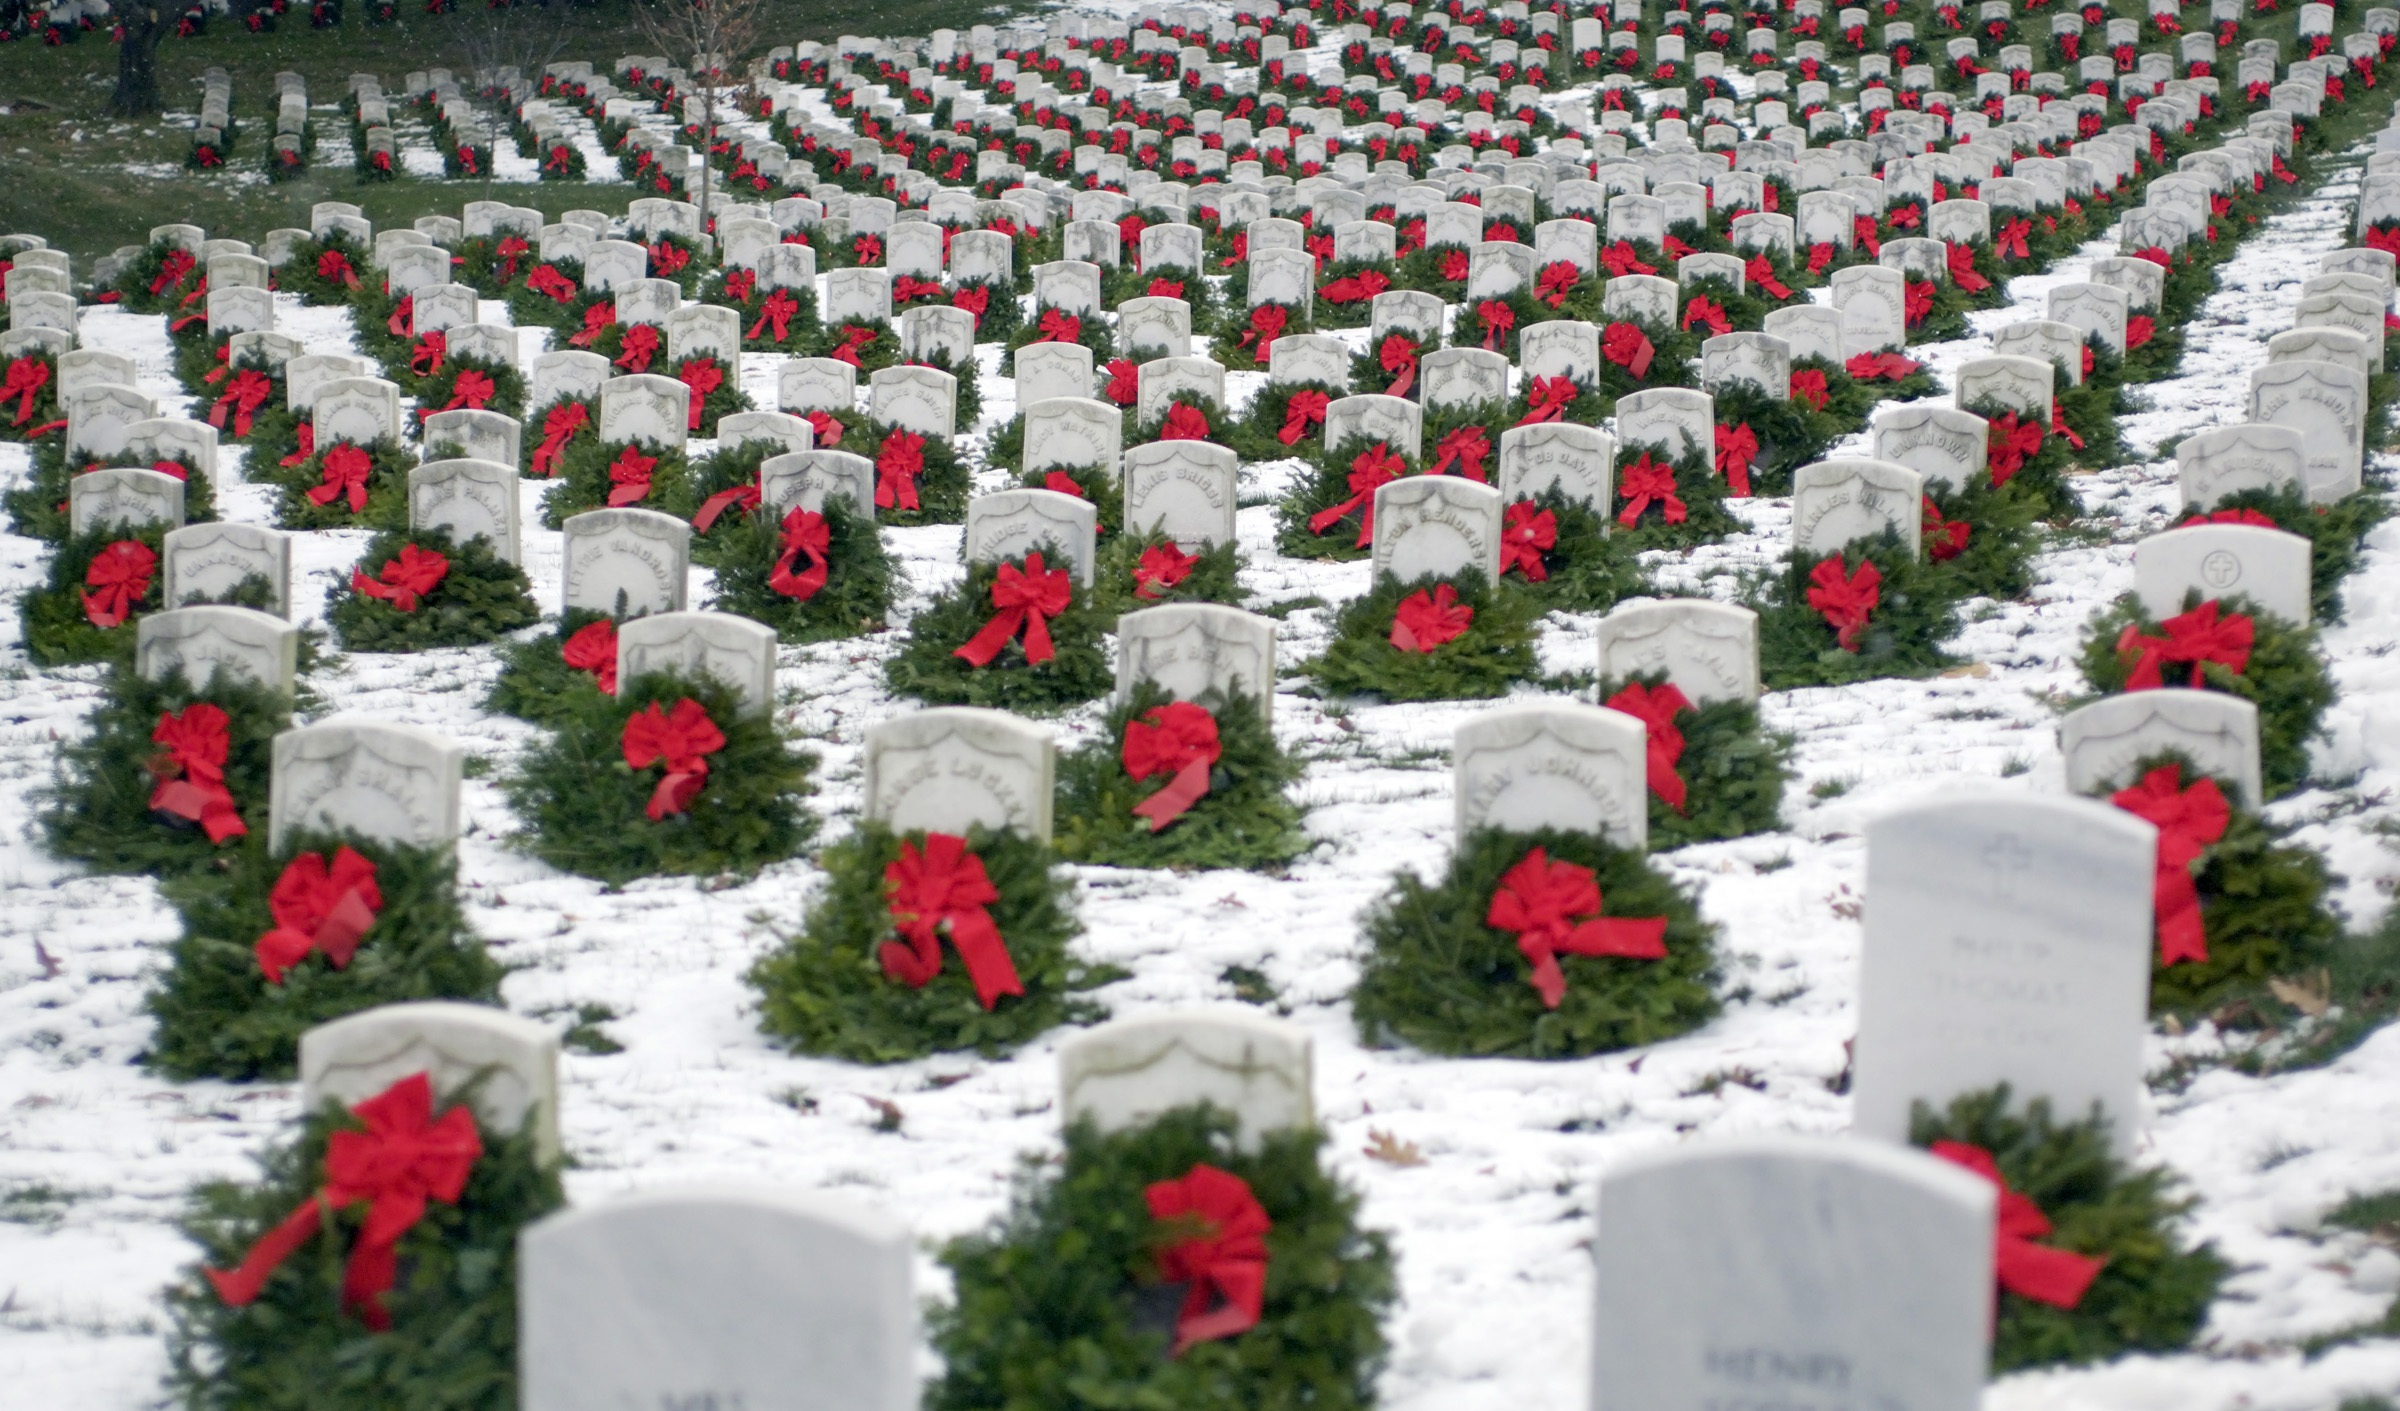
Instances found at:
x=1325 y=486
x=1591 y=565
x=1254 y=435
x=1357 y=313
x=387 y=490
x=2089 y=409
x=758 y=333
x=1916 y=612
x=1742 y=308
x=1002 y=316
x=586 y=807
x=1436 y=974
x=1997 y=559
x=1851 y=401
x=1422 y=269
x=1672 y=351
x=217 y=1017
x=1056 y=1303
x=861 y=583
x=530 y=308
x=39 y=507
x=877 y=350
x=59 y=631
x=725 y=469
x=1236 y=356
x=584 y=481
x=1244 y=820
x=17 y=425
x=150 y=267
x=2286 y=678
x=1707 y=519
x=943 y=487
x=2151 y=1295
x=1104 y=491
x=1214 y=578
x=436 y=392
x=2335 y=533
x=535 y=683
x=925 y=666
x=453 y=1338
x=824 y=990
x=724 y=400
x=1495 y=652
x=1789 y=434
x=1733 y=768
x=98 y=809
x=480 y=598
x=1469 y=330
x=1091 y=330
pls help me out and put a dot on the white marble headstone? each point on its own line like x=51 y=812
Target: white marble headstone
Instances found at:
x=2268 y=566
x=625 y=562
x=387 y=782
x=453 y=1045
x=1709 y=651
x=733 y=651
x=1260 y=1071
x=2104 y=743
x=1185 y=489
x=1835 y=502
x=951 y=768
x=1553 y=764
x=1197 y=652
x=1009 y=524
x=204 y=641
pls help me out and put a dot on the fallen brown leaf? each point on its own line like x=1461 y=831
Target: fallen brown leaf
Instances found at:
x=1384 y=1147
x=2311 y=994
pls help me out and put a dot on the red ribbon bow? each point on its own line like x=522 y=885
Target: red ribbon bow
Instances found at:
x=1179 y=739
x=1530 y=532
x=1398 y=356
x=1540 y=901
x=172 y=267
x=1628 y=347
x=1945 y=539
x=668 y=258
x=1647 y=481
x=1057 y=327
x=593 y=648
x=117 y=579
x=510 y=249
x=1466 y=448
x=1916 y=300
x=898 y=463
x=1424 y=621
x=1556 y=281
x=1737 y=448
x=425 y=359
x=1761 y=271
x=1961 y=261
x=1704 y=310
x=743 y=497
x=1225 y=1262
x=827 y=431
x=1025 y=599
x=1370 y=470
x=2188 y=820
x=702 y=375
x=1845 y=602
x=597 y=320
x=1124 y=382
x=854 y=338
x=637 y=347
x=2197 y=637
x=974 y=299
x=241 y=398
x=559 y=427
x=2013 y=442
x=2057 y=1277
x=404 y=1159
x=1266 y=325
x=1498 y=320
x=318 y=908
x=775 y=316
x=1454 y=265
x=27 y=376
x=945 y=886
x=344 y=473
x=1808 y=388
x=1305 y=409
x=2011 y=240
x=2233 y=517
x=473 y=390
x=2139 y=329
x=1621 y=259
x=682 y=740
x=1820 y=255
x=1890 y=367
x=406 y=578
x=1162 y=567
x=1184 y=424
x=1657 y=708
x=1355 y=288
x=1548 y=399
x=804 y=532
x=191 y=775
x=908 y=287
x=629 y=476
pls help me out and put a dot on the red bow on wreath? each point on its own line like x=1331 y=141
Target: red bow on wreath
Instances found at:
x=775 y=316
x=425 y=359
x=404 y=1159
x=597 y=320
x=682 y=740
x=2057 y=1277
x=241 y=399
x=1945 y=539
x=668 y=258
x=1222 y=1252
x=1707 y=311
x=2011 y=239
x=1809 y=390
x=473 y=390
x=1530 y=532
x=1553 y=908
x=1355 y=288
x=1647 y=481
x=1656 y=708
x=1761 y=271
x=629 y=477
x=943 y=888
x=1621 y=259
x=1961 y=262
x=854 y=339
x=1916 y=301
x=826 y=431
x=1161 y=568
x=1629 y=348
x=191 y=774
x=638 y=346
x=343 y=475
x=2012 y=444
x=1305 y=409
x=1164 y=289
x=510 y=249
x=593 y=648
x=171 y=269
x=1888 y=367
x=1024 y=599
x=1556 y=281
x=2188 y=820
x=406 y=578
x=1184 y=423
x=318 y=908
x=1370 y=470
x=702 y=375
x=1466 y=448
x=1179 y=739
x=1547 y=400
x=558 y=427
x=1124 y=382
x=1266 y=325
x=742 y=497
x=1498 y=320
x=974 y=299
x=898 y=463
x=1397 y=356
x=27 y=376
x=1424 y=621
x=1057 y=327
x=804 y=532
x=117 y=579
x=2197 y=637
x=1843 y=601
x=1737 y=449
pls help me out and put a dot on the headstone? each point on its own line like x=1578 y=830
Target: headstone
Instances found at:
x=482 y=435
x=386 y=782
x=2268 y=566
x=1577 y=461
x=1683 y=421
x=1759 y=359
x=951 y=768
x=1945 y=445
x=625 y=562
x=781 y=429
x=1873 y=304
x=697 y=330
x=472 y=499
x=567 y=374
x=1836 y=502
x=211 y=560
x=807 y=479
x=1462 y=377
x=922 y=400
x=1197 y=652
x=2094 y=308
x=2010 y=942
x=1150 y=328
x=1260 y=1071
x=1437 y=526
x=806 y=385
x=1009 y=524
x=720 y=1297
x=645 y=407
x=203 y=641
x=1553 y=764
x=2224 y=461
x=2021 y=385
x=1372 y=418
x=2105 y=743
x=1709 y=651
x=1317 y=358
x=98 y=415
x=2326 y=403
x=1184 y=489
x=359 y=410
x=505 y=1064
x=1163 y=381
x=127 y=499
x=733 y=651
x=1047 y=370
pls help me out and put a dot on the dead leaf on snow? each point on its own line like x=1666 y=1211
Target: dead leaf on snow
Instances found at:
x=2311 y=994
x=1386 y=1148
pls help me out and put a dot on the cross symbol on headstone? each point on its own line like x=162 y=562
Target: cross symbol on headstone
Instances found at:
x=2007 y=858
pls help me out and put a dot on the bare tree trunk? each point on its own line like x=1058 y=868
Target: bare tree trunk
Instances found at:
x=708 y=142
x=136 y=95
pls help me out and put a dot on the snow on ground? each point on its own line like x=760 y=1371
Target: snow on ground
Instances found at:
x=1491 y=1229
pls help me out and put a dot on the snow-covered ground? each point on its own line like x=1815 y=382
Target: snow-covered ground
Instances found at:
x=95 y=1155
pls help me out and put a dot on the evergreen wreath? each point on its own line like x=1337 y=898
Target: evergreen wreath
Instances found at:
x=927 y=667
x=2285 y=677
x=1356 y=307
x=1586 y=406
x=557 y=300
x=101 y=809
x=1256 y=435
x=1701 y=491
x=1085 y=482
x=1135 y=571
x=1738 y=307
x=452 y=1344
x=275 y=432
x=1244 y=820
x=1916 y=611
x=1436 y=973
x=1851 y=398
x=591 y=471
x=1171 y=282
x=722 y=400
x=861 y=581
x=1464 y=440
x=1787 y=433
x=1306 y=525
x=2334 y=532
x=1213 y=420
x=385 y=498
x=739 y=290
x=998 y=315
x=970 y=383
x=1369 y=372
x=1057 y=1302
x=1937 y=310
x=217 y=1015
x=2150 y=1295
x=589 y=810
x=1493 y=324
x=1587 y=563
x=537 y=430
x=869 y=345
x=39 y=507
x=156 y=278
x=536 y=681
x=725 y=486
x=1494 y=652
x=440 y=391
x=1672 y=351
x=29 y=396
x=2153 y=347
x=944 y=484
x=1245 y=338
x=1733 y=771
x=478 y=597
x=2089 y=410
x=77 y=617
x=1049 y=325
x=825 y=990
x=1439 y=270
x=1993 y=556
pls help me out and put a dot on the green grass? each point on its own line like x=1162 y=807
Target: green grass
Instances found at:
x=89 y=182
